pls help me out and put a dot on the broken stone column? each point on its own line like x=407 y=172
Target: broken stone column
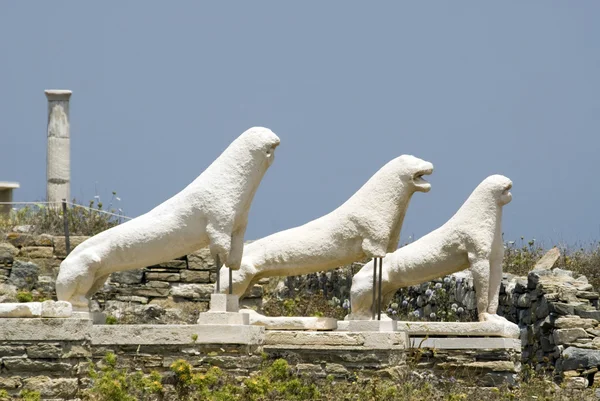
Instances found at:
x=58 y=167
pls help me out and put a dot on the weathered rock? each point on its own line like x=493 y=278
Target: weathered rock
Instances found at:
x=578 y=358
x=20 y=239
x=195 y=276
x=548 y=260
x=201 y=259
x=128 y=276
x=24 y=275
x=132 y=298
x=561 y=308
x=574 y=322
x=567 y=336
x=147 y=291
x=587 y=295
x=10 y=382
x=36 y=252
x=44 y=351
x=7 y=253
x=56 y=309
x=576 y=383
x=524 y=300
x=162 y=276
x=52 y=387
x=588 y=314
x=60 y=245
x=193 y=291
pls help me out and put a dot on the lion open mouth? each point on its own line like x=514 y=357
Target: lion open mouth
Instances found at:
x=420 y=182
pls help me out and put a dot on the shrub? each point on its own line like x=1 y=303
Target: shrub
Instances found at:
x=24 y=296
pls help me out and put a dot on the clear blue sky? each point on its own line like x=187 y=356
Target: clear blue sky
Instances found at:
x=161 y=88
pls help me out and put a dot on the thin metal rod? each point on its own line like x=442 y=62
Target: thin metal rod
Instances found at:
x=218 y=286
x=374 y=288
x=230 y=281
x=66 y=221
x=379 y=300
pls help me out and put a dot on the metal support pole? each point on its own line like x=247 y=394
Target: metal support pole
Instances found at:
x=374 y=288
x=66 y=221
x=379 y=300
x=218 y=286
x=230 y=282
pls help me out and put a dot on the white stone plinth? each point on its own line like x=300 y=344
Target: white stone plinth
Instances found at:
x=290 y=323
x=223 y=318
x=503 y=329
x=224 y=303
x=148 y=334
x=372 y=325
x=49 y=309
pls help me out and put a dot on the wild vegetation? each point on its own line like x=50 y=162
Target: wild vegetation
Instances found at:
x=49 y=219
x=278 y=381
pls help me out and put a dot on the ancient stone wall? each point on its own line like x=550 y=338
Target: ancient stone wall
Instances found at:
x=172 y=292
x=557 y=312
x=53 y=356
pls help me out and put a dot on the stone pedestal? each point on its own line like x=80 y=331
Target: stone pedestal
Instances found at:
x=290 y=323
x=224 y=310
x=58 y=167
x=369 y=325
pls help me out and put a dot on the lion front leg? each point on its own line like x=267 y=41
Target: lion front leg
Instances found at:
x=480 y=267
x=219 y=236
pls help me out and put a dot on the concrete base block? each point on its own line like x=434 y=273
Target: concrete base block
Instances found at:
x=461 y=343
x=223 y=318
x=372 y=325
x=290 y=323
x=335 y=340
x=172 y=334
x=497 y=328
x=44 y=329
x=224 y=303
x=48 y=309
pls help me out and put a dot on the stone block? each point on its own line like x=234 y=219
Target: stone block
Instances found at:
x=132 y=298
x=591 y=295
x=588 y=314
x=26 y=329
x=372 y=325
x=574 y=358
x=36 y=252
x=10 y=382
x=195 y=276
x=28 y=365
x=162 y=276
x=574 y=322
x=223 y=318
x=193 y=291
x=128 y=276
x=7 y=254
x=56 y=309
x=464 y=344
x=147 y=291
x=143 y=334
x=20 y=239
x=561 y=308
x=60 y=246
x=158 y=284
x=201 y=260
x=24 y=275
x=63 y=388
x=20 y=310
x=224 y=303
x=291 y=323
x=44 y=351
